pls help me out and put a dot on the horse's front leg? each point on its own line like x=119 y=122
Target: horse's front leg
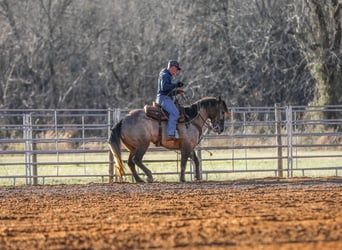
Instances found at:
x=182 y=174
x=194 y=158
x=184 y=158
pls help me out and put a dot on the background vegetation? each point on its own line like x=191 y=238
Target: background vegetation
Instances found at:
x=108 y=53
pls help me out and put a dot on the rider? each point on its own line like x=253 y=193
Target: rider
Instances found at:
x=167 y=89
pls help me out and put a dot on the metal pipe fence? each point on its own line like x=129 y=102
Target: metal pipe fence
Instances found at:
x=43 y=146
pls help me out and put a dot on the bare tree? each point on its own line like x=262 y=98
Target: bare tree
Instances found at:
x=319 y=32
x=105 y=53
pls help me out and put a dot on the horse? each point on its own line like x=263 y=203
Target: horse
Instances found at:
x=136 y=131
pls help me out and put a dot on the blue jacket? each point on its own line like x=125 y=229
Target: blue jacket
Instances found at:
x=166 y=86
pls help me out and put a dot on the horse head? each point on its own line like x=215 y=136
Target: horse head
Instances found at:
x=217 y=115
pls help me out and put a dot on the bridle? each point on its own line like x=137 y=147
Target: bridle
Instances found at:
x=219 y=119
x=206 y=122
x=218 y=122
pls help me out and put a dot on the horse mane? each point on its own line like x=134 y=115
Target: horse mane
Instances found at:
x=204 y=102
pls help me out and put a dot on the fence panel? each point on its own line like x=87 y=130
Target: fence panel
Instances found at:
x=297 y=143
x=70 y=146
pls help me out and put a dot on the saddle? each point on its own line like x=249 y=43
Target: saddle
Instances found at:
x=156 y=112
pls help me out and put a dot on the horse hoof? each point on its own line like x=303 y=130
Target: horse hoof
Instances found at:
x=149 y=179
x=139 y=180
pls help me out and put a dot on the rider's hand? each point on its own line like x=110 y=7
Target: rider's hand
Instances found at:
x=180 y=92
x=180 y=84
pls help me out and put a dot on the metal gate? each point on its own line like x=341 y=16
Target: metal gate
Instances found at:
x=40 y=146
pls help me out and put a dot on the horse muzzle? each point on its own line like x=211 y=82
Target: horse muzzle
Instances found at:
x=217 y=129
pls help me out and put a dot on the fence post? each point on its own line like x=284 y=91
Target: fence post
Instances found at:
x=27 y=133
x=289 y=141
x=34 y=154
x=116 y=119
x=111 y=167
x=199 y=156
x=277 y=111
x=110 y=154
x=34 y=164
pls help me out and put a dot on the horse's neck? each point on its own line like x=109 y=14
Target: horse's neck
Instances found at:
x=201 y=118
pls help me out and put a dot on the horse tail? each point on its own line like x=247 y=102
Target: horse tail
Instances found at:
x=114 y=142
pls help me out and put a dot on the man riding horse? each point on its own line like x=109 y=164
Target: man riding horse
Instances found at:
x=167 y=89
x=137 y=129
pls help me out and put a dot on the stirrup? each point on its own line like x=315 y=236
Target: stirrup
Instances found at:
x=176 y=134
x=173 y=137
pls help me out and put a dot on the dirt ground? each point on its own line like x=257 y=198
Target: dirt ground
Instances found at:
x=252 y=214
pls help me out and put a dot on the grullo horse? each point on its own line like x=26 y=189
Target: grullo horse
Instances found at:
x=136 y=131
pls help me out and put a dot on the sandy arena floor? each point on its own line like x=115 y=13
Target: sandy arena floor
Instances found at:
x=255 y=214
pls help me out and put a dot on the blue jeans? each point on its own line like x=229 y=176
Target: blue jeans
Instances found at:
x=168 y=105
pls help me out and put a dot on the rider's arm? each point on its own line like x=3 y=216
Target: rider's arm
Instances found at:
x=167 y=84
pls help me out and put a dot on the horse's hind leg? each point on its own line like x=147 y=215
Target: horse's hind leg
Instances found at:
x=132 y=168
x=138 y=160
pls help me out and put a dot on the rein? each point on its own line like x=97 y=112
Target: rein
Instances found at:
x=199 y=128
x=210 y=124
x=205 y=121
